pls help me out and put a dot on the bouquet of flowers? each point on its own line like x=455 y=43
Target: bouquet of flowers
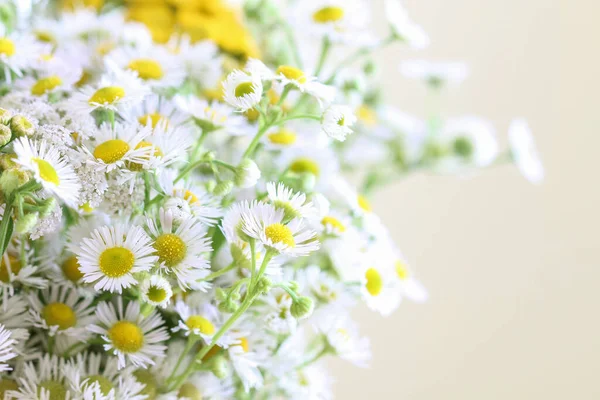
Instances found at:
x=177 y=214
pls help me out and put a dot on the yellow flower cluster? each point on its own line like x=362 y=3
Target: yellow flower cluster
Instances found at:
x=199 y=19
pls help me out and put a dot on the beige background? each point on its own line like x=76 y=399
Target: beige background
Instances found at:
x=513 y=269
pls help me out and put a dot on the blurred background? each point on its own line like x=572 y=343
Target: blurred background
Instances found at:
x=513 y=269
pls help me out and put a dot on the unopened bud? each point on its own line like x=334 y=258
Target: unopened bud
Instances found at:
x=5 y=115
x=247 y=174
x=223 y=188
x=263 y=285
x=7 y=161
x=21 y=126
x=302 y=307
x=5 y=135
x=219 y=367
x=26 y=223
x=47 y=206
x=12 y=179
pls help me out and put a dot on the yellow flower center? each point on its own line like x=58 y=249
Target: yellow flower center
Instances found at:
x=149 y=381
x=116 y=262
x=154 y=118
x=170 y=248
x=85 y=78
x=146 y=68
x=252 y=115
x=188 y=196
x=244 y=344
x=201 y=324
x=243 y=89
x=374 y=282
x=283 y=137
x=305 y=165
x=111 y=151
x=45 y=85
x=13 y=264
x=364 y=204
x=107 y=95
x=366 y=115
x=70 y=268
x=59 y=314
x=334 y=223
x=292 y=73
x=105 y=48
x=86 y=208
x=156 y=294
x=105 y=384
x=143 y=144
x=55 y=389
x=279 y=233
x=44 y=36
x=126 y=337
x=47 y=171
x=189 y=391
x=401 y=270
x=328 y=14
x=7 y=47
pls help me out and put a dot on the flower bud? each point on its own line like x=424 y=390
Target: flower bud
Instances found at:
x=302 y=307
x=263 y=285
x=229 y=306
x=247 y=174
x=26 y=223
x=294 y=286
x=21 y=126
x=5 y=116
x=12 y=179
x=47 y=207
x=219 y=367
x=7 y=161
x=5 y=135
x=223 y=188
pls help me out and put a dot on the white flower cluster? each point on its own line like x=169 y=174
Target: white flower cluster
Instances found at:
x=176 y=221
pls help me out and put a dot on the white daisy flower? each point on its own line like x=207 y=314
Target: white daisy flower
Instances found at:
x=242 y=91
x=246 y=357
x=378 y=281
x=93 y=377
x=402 y=26
x=194 y=322
x=121 y=146
x=13 y=273
x=334 y=224
x=294 y=205
x=524 y=151
x=180 y=249
x=154 y=64
x=341 y=334
x=321 y=163
x=435 y=73
x=6 y=348
x=55 y=77
x=471 y=141
x=410 y=288
x=113 y=254
x=61 y=310
x=169 y=145
x=116 y=91
x=266 y=224
x=338 y=20
x=18 y=53
x=201 y=60
x=288 y=75
x=43 y=379
x=156 y=291
x=156 y=109
x=337 y=122
x=296 y=134
x=231 y=224
x=12 y=310
x=135 y=339
x=214 y=116
x=49 y=168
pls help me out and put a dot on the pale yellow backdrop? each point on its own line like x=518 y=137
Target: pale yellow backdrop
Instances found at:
x=513 y=269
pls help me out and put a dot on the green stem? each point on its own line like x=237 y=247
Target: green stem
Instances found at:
x=188 y=169
x=300 y=116
x=4 y=228
x=317 y=356
x=188 y=346
x=255 y=141
x=324 y=52
x=224 y=165
x=219 y=272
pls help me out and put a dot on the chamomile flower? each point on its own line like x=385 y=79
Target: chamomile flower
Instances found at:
x=49 y=168
x=337 y=122
x=154 y=64
x=410 y=287
x=180 y=249
x=6 y=348
x=194 y=322
x=156 y=291
x=242 y=91
x=116 y=91
x=61 y=310
x=231 y=224
x=121 y=145
x=135 y=339
x=338 y=20
x=43 y=380
x=320 y=163
x=155 y=109
x=53 y=78
x=213 y=116
x=524 y=151
x=168 y=145
x=377 y=283
x=341 y=334
x=435 y=73
x=288 y=75
x=334 y=224
x=402 y=26
x=246 y=358
x=93 y=377
x=296 y=134
x=266 y=224
x=18 y=52
x=201 y=60
x=111 y=256
x=294 y=205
